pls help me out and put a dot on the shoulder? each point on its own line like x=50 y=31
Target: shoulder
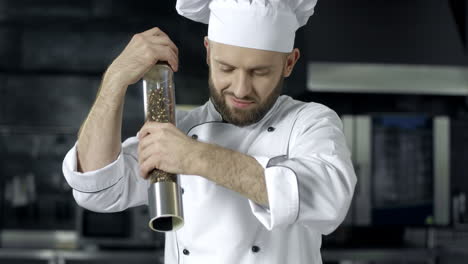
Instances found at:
x=318 y=125
x=309 y=112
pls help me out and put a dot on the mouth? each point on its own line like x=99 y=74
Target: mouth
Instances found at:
x=241 y=103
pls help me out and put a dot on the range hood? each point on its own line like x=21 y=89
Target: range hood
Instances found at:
x=387 y=78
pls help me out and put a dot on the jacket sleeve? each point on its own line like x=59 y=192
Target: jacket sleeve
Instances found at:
x=113 y=188
x=314 y=183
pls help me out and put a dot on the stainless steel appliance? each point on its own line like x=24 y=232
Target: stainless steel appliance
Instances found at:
x=402 y=162
x=33 y=192
x=126 y=229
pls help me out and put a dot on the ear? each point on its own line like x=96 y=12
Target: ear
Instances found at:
x=291 y=60
x=206 y=42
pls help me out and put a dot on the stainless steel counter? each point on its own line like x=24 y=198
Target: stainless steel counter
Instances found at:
x=49 y=256
x=371 y=255
x=79 y=256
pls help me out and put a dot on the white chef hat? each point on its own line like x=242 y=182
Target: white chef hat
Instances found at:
x=259 y=24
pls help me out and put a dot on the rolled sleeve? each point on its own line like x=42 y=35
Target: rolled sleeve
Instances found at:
x=112 y=188
x=283 y=195
x=92 y=181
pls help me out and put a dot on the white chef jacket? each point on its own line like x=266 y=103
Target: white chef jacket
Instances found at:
x=308 y=172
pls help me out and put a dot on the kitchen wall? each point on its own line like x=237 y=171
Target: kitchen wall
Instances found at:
x=53 y=54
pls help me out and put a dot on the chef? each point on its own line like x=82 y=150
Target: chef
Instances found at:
x=264 y=176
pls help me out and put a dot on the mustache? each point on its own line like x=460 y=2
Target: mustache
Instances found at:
x=246 y=98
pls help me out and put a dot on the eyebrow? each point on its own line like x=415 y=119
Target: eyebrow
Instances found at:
x=259 y=67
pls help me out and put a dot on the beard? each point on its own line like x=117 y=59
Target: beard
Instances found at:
x=243 y=117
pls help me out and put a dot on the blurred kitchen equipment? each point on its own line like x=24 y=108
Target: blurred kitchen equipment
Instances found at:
x=403 y=166
x=164 y=196
x=126 y=229
x=459 y=135
x=37 y=206
x=35 y=195
x=459 y=212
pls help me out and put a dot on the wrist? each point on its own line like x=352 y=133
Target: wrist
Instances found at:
x=112 y=86
x=201 y=158
x=115 y=76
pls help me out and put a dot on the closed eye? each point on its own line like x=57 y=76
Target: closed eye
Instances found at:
x=226 y=69
x=261 y=72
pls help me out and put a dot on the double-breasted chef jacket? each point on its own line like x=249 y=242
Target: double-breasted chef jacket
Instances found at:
x=308 y=172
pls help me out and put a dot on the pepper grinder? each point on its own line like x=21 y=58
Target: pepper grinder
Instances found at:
x=164 y=195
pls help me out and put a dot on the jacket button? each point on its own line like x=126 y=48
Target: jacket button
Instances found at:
x=255 y=249
x=181 y=190
x=194 y=136
x=271 y=129
x=186 y=252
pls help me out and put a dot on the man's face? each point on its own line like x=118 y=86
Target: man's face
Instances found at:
x=244 y=83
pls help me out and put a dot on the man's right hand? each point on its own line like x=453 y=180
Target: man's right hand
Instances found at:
x=143 y=51
x=99 y=138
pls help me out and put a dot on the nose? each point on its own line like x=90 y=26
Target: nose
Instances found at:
x=242 y=85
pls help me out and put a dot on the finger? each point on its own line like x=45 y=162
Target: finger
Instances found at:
x=148 y=144
x=162 y=45
x=145 y=144
x=153 y=32
x=165 y=41
x=148 y=128
x=161 y=52
x=147 y=166
x=166 y=54
x=153 y=127
x=173 y=61
x=147 y=153
x=144 y=169
x=143 y=130
x=144 y=172
x=153 y=141
x=143 y=133
x=142 y=144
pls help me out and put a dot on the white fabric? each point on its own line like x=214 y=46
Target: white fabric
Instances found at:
x=259 y=24
x=309 y=176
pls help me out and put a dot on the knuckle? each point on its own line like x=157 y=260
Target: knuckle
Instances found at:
x=137 y=37
x=149 y=57
x=147 y=53
x=146 y=48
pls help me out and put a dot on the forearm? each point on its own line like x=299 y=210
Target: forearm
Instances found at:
x=99 y=138
x=233 y=170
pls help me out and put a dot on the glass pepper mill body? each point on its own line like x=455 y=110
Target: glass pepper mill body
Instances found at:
x=164 y=196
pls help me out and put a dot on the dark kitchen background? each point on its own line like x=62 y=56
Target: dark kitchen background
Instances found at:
x=395 y=70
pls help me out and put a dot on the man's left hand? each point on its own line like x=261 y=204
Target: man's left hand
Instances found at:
x=165 y=147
